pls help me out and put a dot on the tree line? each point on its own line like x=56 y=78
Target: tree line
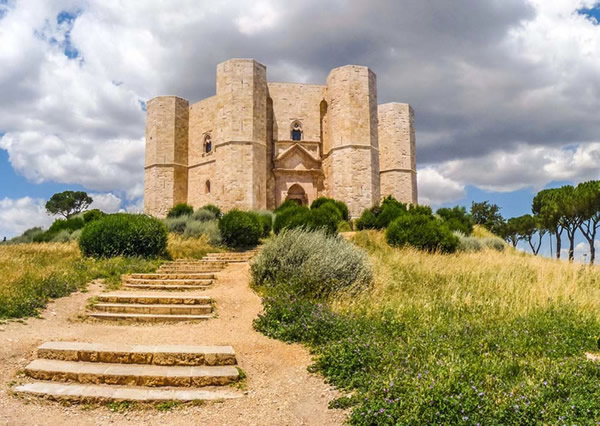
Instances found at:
x=554 y=212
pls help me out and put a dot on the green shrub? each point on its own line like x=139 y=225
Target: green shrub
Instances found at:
x=181 y=209
x=457 y=219
x=76 y=234
x=474 y=244
x=28 y=236
x=286 y=205
x=326 y=217
x=310 y=263
x=63 y=236
x=240 y=229
x=92 y=215
x=389 y=213
x=344 y=226
x=494 y=243
x=422 y=232
x=69 y=225
x=177 y=224
x=124 y=234
x=266 y=222
x=290 y=217
x=366 y=220
x=195 y=229
x=340 y=205
x=205 y=215
x=212 y=208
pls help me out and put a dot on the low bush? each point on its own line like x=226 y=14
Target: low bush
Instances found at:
x=310 y=263
x=344 y=226
x=366 y=220
x=380 y=216
x=124 y=234
x=457 y=219
x=63 y=236
x=326 y=216
x=422 y=232
x=177 y=225
x=92 y=215
x=181 y=209
x=205 y=215
x=286 y=205
x=265 y=218
x=28 y=236
x=474 y=244
x=340 y=205
x=212 y=208
x=388 y=214
x=240 y=229
x=290 y=217
x=210 y=229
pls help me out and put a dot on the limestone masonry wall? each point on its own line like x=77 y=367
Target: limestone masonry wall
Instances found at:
x=348 y=148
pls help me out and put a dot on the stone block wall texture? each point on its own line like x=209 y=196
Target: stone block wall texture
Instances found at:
x=353 y=147
x=397 y=152
x=166 y=154
x=350 y=150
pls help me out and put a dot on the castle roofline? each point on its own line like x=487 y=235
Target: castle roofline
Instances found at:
x=242 y=60
x=167 y=96
x=352 y=66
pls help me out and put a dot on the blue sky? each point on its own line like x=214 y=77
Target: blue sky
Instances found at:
x=506 y=94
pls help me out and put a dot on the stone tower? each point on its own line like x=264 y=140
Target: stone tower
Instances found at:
x=166 y=181
x=255 y=144
x=242 y=135
x=397 y=159
x=351 y=156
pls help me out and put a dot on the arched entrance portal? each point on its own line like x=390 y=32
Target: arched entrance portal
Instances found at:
x=296 y=193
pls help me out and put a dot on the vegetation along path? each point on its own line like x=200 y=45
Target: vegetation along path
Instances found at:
x=277 y=388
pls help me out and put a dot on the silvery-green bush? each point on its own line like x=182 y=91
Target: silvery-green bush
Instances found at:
x=195 y=229
x=473 y=244
x=177 y=224
x=311 y=263
x=204 y=215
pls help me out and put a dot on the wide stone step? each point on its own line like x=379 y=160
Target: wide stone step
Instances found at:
x=138 y=354
x=116 y=316
x=165 y=287
x=191 y=270
x=151 y=299
x=130 y=374
x=102 y=393
x=194 y=276
x=166 y=309
x=168 y=282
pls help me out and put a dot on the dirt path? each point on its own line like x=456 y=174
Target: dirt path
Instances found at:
x=279 y=391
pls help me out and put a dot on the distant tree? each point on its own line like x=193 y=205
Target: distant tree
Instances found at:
x=588 y=206
x=570 y=218
x=510 y=232
x=545 y=207
x=528 y=227
x=487 y=215
x=68 y=203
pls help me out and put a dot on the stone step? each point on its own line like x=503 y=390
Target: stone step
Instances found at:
x=168 y=282
x=130 y=374
x=116 y=316
x=156 y=309
x=138 y=354
x=103 y=393
x=195 y=262
x=151 y=299
x=186 y=270
x=194 y=276
x=164 y=287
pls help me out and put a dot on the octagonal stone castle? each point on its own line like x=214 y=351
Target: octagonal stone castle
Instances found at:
x=256 y=144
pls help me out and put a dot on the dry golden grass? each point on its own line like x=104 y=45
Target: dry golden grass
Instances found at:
x=189 y=248
x=499 y=283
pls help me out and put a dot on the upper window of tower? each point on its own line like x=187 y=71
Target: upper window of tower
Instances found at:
x=296 y=131
x=207 y=144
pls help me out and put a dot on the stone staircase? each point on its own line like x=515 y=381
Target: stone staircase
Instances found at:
x=183 y=275
x=89 y=372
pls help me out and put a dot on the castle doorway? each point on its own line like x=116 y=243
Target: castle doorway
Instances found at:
x=296 y=193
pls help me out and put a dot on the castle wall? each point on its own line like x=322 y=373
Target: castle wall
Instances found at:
x=397 y=148
x=352 y=162
x=165 y=182
x=296 y=102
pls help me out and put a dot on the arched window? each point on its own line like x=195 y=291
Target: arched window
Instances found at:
x=207 y=187
x=207 y=144
x=296 y=132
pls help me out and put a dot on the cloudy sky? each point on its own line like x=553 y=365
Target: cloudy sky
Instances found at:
x=506 y=92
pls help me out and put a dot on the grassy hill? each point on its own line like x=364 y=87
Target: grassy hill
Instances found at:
x=486 y=337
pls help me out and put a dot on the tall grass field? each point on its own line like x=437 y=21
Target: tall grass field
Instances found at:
x=482 y=337
x=33 y=273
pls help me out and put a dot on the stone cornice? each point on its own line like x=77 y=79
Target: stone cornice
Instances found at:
x=291 y=171
x=397 y=170
x=149 y=166
x=193 y=166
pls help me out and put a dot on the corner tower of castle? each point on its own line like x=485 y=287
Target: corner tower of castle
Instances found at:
x=256 y=144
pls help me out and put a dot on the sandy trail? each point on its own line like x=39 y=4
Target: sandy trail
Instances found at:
x=280 y=391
